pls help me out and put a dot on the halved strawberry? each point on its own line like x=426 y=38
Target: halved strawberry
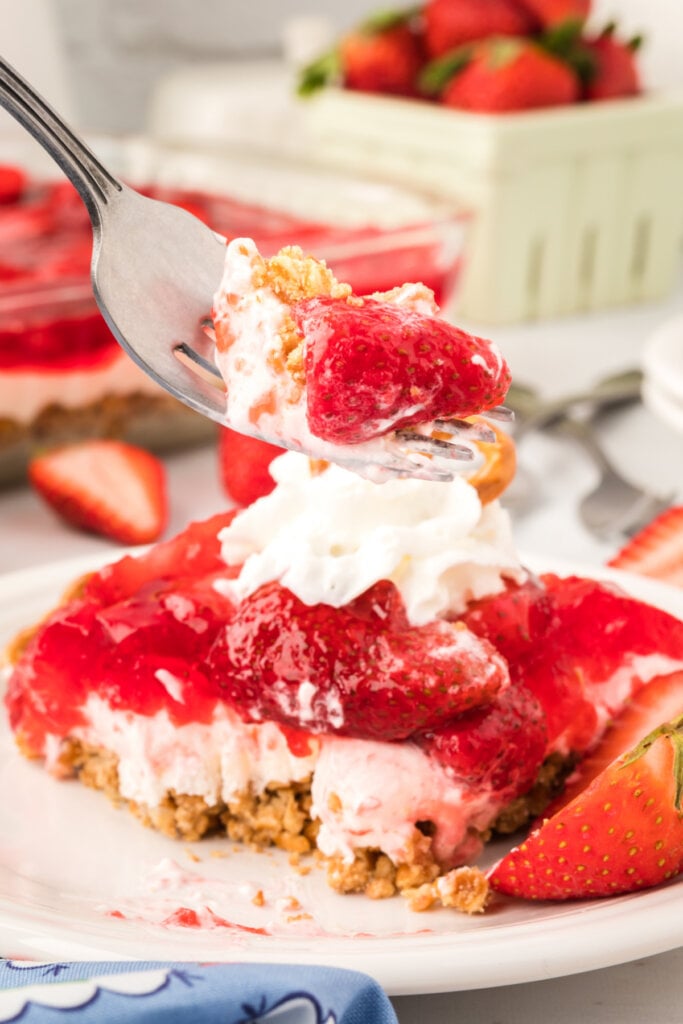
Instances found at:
x=657 y=550
x=243 y=463
x=623 y=832
x=373 y=367
x=106 y=487
x=657 y=702
x=500 y=747
x=359 y=670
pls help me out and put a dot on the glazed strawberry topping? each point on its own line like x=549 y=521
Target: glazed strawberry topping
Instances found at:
x=500 y=747
x=143 y=654
x=374 y=367
x=585 y=654
x=193 y=553
x=360 y=670
x=134 y=617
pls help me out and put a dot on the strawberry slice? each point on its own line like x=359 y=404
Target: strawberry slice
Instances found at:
x=105 y=487
x=657 y=702
x=657 y=550
x=622 y=833
x=500 y=747
x=360 y=670
x=372 y=367
x=243 y=463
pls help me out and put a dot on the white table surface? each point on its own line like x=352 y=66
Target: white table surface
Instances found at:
x=556 y=357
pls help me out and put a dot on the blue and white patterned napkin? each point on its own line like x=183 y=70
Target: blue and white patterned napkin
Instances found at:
x=128 y=992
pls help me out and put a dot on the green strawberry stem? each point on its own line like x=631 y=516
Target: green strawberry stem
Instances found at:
x=319 y=73
x=674 y=731
x=436 y=75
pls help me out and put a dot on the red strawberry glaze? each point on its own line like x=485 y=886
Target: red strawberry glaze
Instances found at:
x=588 y=648
x=78 y=340
x=159 y=610
x=116 y=652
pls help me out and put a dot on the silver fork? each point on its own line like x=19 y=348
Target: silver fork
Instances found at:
x=154 y=271
x=615 y=507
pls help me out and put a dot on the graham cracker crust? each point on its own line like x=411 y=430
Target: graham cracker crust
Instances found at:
x=280 y=817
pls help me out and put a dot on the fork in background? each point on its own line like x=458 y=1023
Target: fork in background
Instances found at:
x=615 y=507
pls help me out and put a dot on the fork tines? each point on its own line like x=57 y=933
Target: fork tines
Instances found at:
x=427 y=445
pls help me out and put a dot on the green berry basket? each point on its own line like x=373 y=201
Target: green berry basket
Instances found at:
x=576 y=208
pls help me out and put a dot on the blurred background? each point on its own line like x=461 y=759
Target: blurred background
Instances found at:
x=557 y=232
x=118 y=50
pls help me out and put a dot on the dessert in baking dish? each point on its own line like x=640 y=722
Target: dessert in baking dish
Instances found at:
x=366 y=671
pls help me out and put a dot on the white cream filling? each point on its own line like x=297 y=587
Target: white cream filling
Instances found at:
x=25 y=393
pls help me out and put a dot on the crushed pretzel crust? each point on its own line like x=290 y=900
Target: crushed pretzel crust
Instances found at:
x=281 y=817
x=292 y=275
x=465 y=889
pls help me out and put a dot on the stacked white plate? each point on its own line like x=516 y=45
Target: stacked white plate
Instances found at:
x=663 y=373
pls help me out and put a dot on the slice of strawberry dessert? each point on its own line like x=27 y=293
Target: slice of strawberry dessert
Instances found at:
x=311 y=366
x=366 y=671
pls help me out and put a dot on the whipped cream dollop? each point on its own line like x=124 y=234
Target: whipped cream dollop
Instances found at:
x=328 y=536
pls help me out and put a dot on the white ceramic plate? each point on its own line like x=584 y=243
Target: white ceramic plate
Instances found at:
x=80 y=879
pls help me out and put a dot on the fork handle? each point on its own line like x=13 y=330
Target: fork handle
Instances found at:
x=95 y=184
x=583 y=434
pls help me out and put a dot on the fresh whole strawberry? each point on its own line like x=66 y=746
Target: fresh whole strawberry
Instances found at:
x=500 y=747
x=243 y=463
x=614 y=69
x=383 y=55
x=503 y=75
x=106 y=487
x=622 y=833
x=552 y=13
x=449 y=24
x=374 y=367
x=359 y=670
x=384 y=62
x=657 y=550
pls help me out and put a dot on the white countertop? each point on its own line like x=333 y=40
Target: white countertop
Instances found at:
x=557 y=358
